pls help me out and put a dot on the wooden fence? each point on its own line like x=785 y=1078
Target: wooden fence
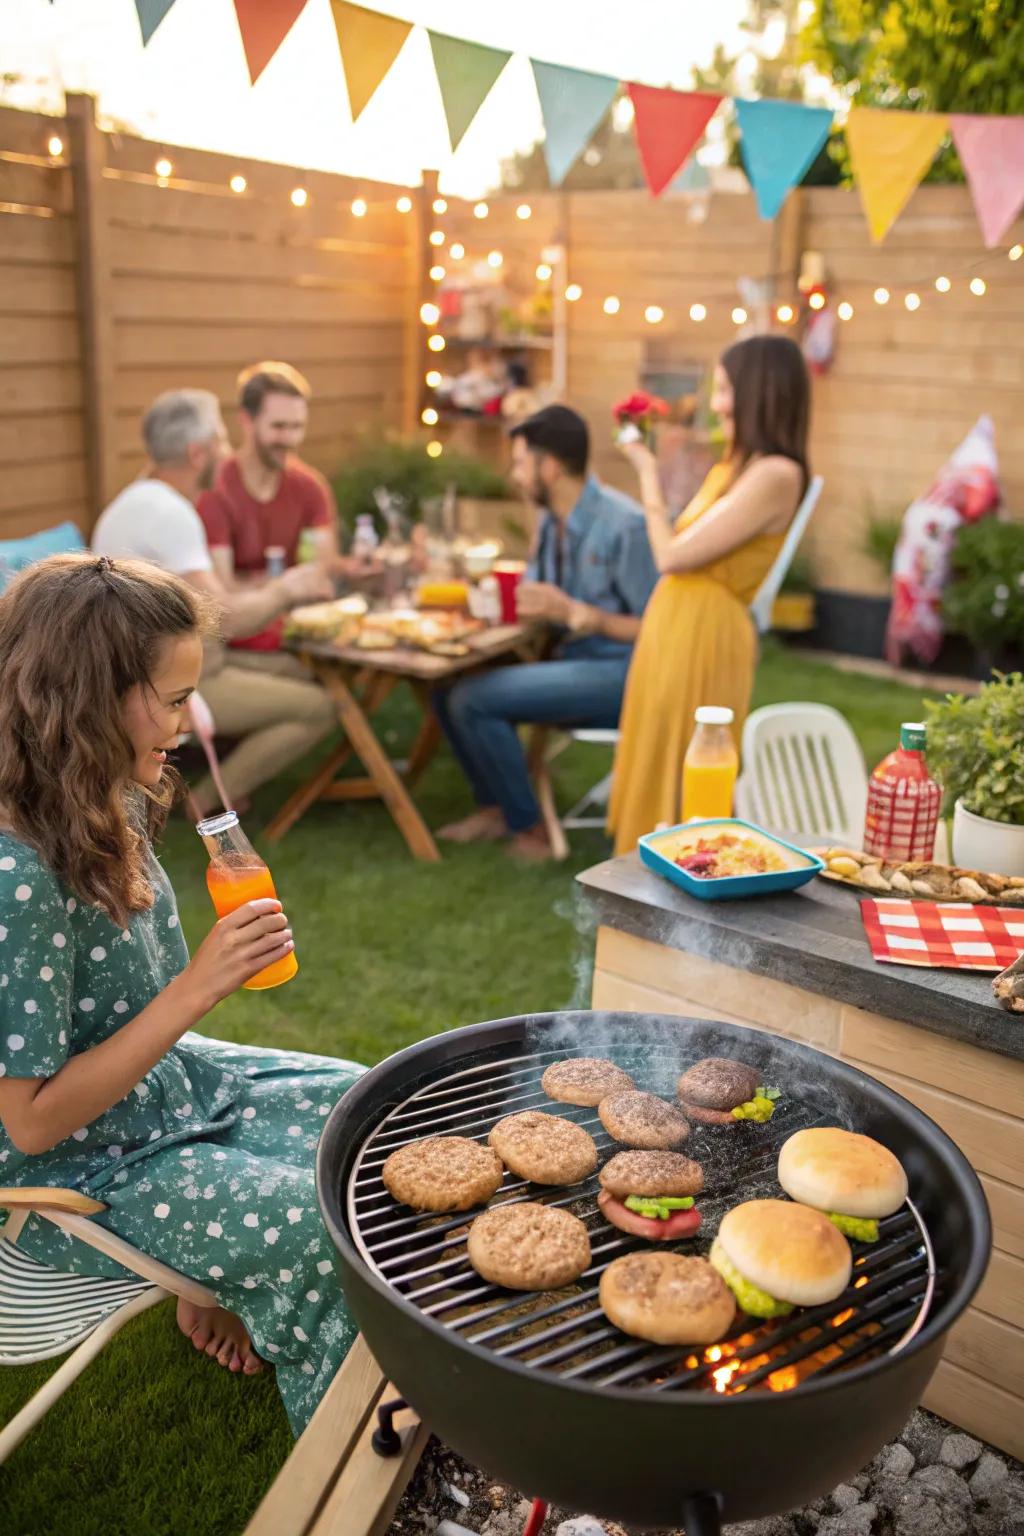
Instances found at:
x=116 y=283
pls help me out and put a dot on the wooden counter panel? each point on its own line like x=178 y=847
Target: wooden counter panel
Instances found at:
x=988 y=1347
x=1007 y=1207
x=963 y=1069
x=976 y=1404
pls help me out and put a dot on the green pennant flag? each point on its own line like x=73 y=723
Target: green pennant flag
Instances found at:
x=151 y=13
x=465 y=74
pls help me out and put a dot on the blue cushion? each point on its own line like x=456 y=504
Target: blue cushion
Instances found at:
x=16 y=554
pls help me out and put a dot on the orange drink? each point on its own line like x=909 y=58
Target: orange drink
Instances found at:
x=710 y=766
x=236 y=874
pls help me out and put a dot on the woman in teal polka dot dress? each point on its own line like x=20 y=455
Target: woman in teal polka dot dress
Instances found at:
x=201 y=1152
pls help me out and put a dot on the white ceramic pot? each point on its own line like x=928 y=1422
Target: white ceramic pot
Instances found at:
x=994 y=847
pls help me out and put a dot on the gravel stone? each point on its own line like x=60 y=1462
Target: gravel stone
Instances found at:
x=943 y=1484
x=858 y=1520
x=960 y=1451
x=845 y=1496
x=896 y=1462
x=923 y=1437
x=989 y=1477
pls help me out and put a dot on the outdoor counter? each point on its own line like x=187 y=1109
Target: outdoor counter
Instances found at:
x=798 y=964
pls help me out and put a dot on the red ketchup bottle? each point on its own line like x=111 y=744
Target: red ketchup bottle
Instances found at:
x=903 y=803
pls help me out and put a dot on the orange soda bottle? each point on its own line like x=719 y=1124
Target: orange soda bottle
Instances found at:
x=236 y=874
x=710 y=765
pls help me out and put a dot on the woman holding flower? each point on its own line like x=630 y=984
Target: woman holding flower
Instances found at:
x=697 y=642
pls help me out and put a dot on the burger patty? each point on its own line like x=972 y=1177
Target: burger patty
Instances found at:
x=719 y=1083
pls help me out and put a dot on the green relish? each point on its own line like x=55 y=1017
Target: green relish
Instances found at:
x=753 y=1301
x=657 y=1207
x=862 y=1229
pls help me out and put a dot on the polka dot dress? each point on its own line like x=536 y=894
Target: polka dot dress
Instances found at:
x=207 y=1164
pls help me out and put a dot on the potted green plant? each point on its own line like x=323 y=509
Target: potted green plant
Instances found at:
x=985 y=599
x=405 y=468
x=976 y=751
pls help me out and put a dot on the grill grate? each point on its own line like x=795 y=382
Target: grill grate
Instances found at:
x=423 y=1256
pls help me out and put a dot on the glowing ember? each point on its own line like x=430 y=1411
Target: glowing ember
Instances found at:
x=724 y=1375
x=862 y=1281
x=842 y=1317
x=783 y=1381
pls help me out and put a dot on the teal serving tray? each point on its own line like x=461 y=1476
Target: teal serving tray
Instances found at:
x=729 y=887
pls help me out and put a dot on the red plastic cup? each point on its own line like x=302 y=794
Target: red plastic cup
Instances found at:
x=508 y=574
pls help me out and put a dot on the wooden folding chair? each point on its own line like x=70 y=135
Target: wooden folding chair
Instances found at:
x=44 y=1312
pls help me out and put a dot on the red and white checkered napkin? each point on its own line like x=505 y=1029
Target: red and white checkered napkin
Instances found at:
x=943 y=933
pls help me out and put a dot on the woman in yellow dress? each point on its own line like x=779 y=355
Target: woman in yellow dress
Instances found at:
x=697 y=643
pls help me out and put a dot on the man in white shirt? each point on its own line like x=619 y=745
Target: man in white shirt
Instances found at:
x=279 y=718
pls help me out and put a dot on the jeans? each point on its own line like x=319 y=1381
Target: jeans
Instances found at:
x=479 y=716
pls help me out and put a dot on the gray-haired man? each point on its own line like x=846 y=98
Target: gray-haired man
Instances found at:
x=279 y=717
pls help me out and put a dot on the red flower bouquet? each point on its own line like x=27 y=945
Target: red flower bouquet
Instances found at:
x=636 y=416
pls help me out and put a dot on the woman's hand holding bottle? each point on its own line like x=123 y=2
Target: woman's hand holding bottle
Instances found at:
x=237 y=948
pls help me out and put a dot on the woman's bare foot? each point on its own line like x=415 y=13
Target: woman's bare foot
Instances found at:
x=486 y=826
x=221 y=1335
x=531 y=847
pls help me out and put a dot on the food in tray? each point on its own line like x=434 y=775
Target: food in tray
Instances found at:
x=720 y=1091
x=775 y=1255
x=348 y=622
x=443 y=1173
x=1008 y=986
x=724 y=855
x=334 y=623
x=546 y=1149
x=852 y=1178
x=374 y=638
x=528 y=1246
x=666 y=1298
x=584 y=1080
x=643 y=1120
x=933 y=882
x=651 y=1194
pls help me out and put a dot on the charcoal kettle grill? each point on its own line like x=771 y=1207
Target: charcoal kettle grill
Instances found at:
x=540 y=1389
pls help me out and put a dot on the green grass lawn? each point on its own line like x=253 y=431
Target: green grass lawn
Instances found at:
x=152 y=1440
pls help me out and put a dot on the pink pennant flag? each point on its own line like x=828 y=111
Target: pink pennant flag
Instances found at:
x=991 y=150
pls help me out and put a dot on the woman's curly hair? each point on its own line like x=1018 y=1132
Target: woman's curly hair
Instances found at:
x=78 y=632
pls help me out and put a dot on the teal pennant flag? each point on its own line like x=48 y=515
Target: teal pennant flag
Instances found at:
x=572 y=103
x=780 y=141
x=151 y=14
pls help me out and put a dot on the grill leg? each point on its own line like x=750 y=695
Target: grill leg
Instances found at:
x=702 y=1514
x=386 y=1440
x=535 y=1519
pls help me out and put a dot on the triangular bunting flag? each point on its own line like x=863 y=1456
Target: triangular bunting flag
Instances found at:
x=572 y=104
x=151 y=13
x=370 y=43
x=465 y=73
x=667 y=125
x=780 y=141
x=264 y=25
x=991 y=150
x=889 y=154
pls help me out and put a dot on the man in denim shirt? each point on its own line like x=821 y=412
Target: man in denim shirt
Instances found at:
x=591 y=574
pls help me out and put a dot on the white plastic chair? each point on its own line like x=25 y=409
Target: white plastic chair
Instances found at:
x=768 y=591
x=45 y=1311
x=803 y=772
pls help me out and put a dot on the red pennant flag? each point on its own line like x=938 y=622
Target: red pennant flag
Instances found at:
x=667 y=125
x=991 y=150
x=264 y=25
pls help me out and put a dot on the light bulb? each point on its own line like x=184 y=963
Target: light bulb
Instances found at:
x=654 y=314
x=404 y=205
x=163 y=168
x=523 y=211
x=300 y=197
x=238 y=183
x=943 y=284
x=912 y=301
x=494 y=258
x=784 y=313
x=56 y=147
x=359 y=207
x=429 y=314
x=845 y=311
x=573 y=292
x=439 y=205
x=457 y=251
x=437 y=237
x=698 y=312
x=817 y=301
x=977 y=286
x=433 y=379
x=881 y=295
x=434 y=450
x=739 y=315
x=1015 y=252
x=429 y=417
x=611 y=305
x=435 y=343
x=436 y=274
x=480 y=211
x=543 y=273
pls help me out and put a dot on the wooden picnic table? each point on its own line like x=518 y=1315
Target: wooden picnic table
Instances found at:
x=359 y=681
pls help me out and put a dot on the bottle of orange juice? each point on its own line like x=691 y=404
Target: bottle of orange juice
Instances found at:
x=710 y=765
x=236 y=874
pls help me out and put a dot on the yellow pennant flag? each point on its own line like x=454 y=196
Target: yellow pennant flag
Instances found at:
x=889 y=153
x=370 y=43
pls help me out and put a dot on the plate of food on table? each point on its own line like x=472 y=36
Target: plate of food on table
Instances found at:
x=920 y=880
x=349 y=622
